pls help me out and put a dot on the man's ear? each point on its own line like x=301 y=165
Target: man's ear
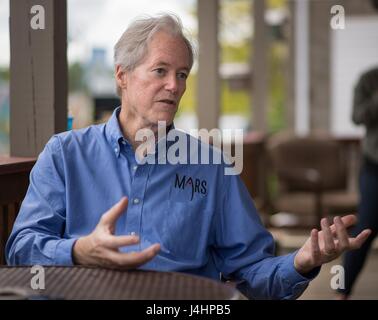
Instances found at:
x=120 y=76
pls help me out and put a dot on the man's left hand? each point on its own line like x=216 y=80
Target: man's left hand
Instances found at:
x=328 y=244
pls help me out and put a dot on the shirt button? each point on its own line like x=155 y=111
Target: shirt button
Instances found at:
x=135 y=167
x=136 y=201
x=132 y=233
x=116 y=149
x=123 y=142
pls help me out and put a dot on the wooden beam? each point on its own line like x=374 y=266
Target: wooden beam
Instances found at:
x=319 y=59
x=302 y=67
x=208 y=105
x=290 y=79
x=259 y=67
x=38 y=83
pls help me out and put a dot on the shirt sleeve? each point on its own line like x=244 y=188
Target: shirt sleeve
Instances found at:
x=38 y=233
x=244 y=250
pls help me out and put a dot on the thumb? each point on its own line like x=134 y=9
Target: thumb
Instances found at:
x=110 y=217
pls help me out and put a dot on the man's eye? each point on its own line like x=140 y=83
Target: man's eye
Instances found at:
x=159 y=71
x=182 y=75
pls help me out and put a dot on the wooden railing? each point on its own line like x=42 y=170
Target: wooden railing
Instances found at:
x=14 y=181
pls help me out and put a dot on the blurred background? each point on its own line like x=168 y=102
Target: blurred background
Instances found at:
x=95 y=26
x=282 y=70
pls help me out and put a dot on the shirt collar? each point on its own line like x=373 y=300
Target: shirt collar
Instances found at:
x=115 y=136
x=113 y=131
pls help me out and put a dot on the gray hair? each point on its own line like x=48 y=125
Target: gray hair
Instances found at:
x=132 y=47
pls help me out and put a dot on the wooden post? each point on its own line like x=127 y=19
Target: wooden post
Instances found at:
x=319 y=59
x=259 y=67
x=208 y=105
x=38 y=84
x=290 y=69
x=302 y=69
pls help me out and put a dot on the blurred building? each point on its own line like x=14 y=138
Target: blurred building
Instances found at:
x=99 y=77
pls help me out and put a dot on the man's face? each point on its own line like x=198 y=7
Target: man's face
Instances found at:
x=153 y=90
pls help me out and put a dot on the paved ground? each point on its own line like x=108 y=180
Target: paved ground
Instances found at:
x=366 y=286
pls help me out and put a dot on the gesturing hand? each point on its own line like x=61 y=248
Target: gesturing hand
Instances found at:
x=100 y=248
x=328 y=244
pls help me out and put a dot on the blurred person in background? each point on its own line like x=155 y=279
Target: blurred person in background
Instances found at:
x=365 y=112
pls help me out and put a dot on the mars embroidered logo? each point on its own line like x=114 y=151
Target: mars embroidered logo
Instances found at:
x=196 y=185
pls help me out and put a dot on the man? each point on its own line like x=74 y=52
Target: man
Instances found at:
x=155 y=219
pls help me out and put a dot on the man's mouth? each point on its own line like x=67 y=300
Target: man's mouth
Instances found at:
x=168 y=101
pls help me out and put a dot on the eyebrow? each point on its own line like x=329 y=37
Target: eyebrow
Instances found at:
x=162 y=63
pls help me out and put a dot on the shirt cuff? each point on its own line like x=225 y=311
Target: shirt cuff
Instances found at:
x=298 y=281
x=63 y=252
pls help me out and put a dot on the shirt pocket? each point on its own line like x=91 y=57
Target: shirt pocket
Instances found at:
x=186 y=229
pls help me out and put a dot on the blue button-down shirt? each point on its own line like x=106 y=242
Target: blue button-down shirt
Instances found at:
x=204 y=220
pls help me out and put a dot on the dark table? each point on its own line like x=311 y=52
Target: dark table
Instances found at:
x=96 y=283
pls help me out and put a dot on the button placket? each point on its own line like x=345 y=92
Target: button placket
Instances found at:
x=133 y=222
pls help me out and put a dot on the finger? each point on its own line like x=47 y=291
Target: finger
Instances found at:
x=145 y=255
x=342 y=234
x=110 y=217
x=315 y=250
x=115 y=242
x=348 y=221
x=134 y=259
x=357 y=242
x=329 y=245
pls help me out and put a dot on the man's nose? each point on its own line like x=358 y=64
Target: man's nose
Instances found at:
x=172 y=84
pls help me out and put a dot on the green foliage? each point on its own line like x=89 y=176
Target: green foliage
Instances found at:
x=4 y=74
x=236 y=101
x=237 y=46
x=272 y=4
x=235 y=8
x=235 y=53
x=76 y=80
x=235 y=21
x=276 y=112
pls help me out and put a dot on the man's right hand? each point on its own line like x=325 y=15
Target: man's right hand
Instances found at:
x=100 y=248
